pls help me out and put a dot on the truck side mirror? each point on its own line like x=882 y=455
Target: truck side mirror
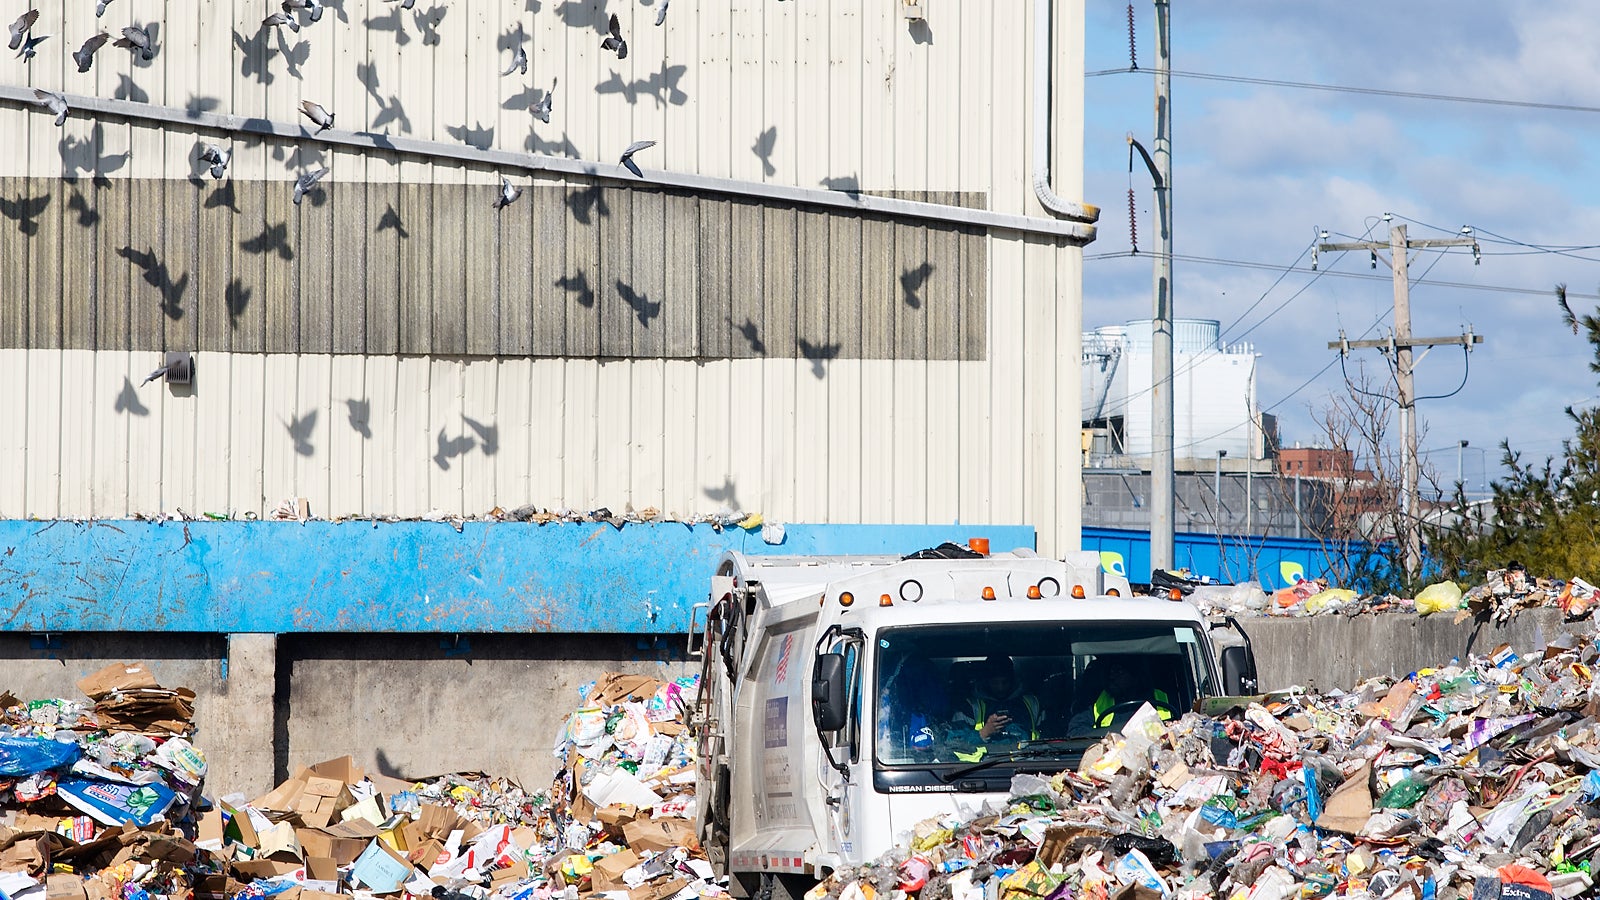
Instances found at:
x=1238 y=671
x=828 y=706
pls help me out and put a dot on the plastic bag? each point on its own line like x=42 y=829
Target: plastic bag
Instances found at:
x=1329 y=598
x=27 y=755
x=1439 y=597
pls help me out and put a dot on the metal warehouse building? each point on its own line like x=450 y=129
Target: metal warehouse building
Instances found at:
x=844 y=287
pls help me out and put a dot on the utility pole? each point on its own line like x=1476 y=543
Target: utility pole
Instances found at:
x=1401 y=344
x=1161 y=456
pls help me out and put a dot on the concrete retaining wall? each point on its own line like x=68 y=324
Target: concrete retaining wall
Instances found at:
x=1334 y=651
x=414 y=705
x=404 y=705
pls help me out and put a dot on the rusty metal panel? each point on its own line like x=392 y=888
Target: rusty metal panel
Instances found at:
x=615 y=293
x=715 y=276
x=580 y=282
x=253 y=252
x=415 y=297
x=349 y=233
x=43 y=282
x=388 y=229
x=647 y=289
x=481 y=261
x=746 y=266
x=448 y=273
x=281 y=285
x=779 y=255
x=680 y=296
x=217 y=295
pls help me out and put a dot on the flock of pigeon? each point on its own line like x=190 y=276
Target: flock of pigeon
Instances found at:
x=138 y=41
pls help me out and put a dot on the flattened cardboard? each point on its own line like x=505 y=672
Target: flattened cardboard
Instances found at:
x=117 y=677
x=658 y=890
x=1351 y=804
x=61 y=886
x=614 y=688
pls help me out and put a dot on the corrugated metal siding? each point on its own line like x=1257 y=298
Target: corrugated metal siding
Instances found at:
x=565 y=271
x=906 y=421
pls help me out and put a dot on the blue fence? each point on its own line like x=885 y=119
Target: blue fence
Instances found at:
x=285 y=577
x=1227 y=558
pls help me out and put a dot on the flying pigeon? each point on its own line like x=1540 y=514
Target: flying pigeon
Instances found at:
x=661 y=14
x=614 y=41
x=218 y=158
x=84 y=56
x=20 y=27
x=519 y=60
x=28 y=52
x=306 y=182
x=508 y=193
x=317 y=114
x=405 y=4
x=136 y=38
x=100 y=7
x=53 y=102
x=313 y=8
x=541 y=110
x=627 y=156
x=280 y=19
x=156 y=374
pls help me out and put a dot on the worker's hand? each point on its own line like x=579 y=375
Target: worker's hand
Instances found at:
x=992 y=725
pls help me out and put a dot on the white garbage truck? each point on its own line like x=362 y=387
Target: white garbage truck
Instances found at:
x=843 y=699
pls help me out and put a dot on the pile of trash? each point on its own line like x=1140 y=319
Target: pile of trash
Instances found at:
x=103 y=802
x=1504 y=593
x=1479 y=780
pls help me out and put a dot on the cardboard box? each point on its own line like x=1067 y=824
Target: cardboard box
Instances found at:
x=321 y=801
x=321 y=868
x=240 y=828
x=342 y=769
x=607 y=874
x=616 y=816
x=659 y=834
x=514 y=872
x=426 y=854
x=382 y=870
x=280 y=842
x=265 y=868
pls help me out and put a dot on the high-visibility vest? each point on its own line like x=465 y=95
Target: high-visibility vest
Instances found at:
x=980 y=712
x=1105 y=703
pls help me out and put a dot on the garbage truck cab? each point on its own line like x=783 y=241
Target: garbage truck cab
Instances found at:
x=845 y=699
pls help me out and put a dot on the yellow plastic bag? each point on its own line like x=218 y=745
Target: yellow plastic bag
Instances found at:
x=1318 y=602
x=1439 y=597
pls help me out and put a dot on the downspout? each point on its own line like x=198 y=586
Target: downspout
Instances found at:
x=1042 y=55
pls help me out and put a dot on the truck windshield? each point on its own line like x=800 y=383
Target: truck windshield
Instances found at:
x=958 y=693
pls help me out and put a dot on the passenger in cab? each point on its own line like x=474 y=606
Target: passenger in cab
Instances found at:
x=1112 y=688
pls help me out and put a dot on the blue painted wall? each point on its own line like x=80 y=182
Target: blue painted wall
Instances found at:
x=285 y=577
x=1226 y=558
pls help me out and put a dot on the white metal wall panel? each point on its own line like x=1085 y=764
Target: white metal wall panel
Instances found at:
x=845 y=94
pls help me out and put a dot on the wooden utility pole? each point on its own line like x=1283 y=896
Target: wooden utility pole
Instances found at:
x=1400 y=344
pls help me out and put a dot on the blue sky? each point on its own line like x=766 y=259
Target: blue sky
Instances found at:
x=1259 y=168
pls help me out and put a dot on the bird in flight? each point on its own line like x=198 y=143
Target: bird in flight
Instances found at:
x=541 y=110
x=20 y=28
x=306 y=182
x=280 y=19
x=519 y=60
x=614 y=40
x=627 y=156
x=218 y=158
x=508 y=193
x=137 y=40
x=84 y=56
x=53 y=102
x=317 y=114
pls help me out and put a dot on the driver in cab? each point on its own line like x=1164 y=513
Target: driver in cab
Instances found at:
x=998 y=712
x=1122 y=688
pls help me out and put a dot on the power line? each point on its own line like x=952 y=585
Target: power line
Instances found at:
x=1247 y=264
x=1351 y=89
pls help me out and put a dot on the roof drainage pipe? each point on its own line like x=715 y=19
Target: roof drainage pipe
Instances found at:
x=1043 y=51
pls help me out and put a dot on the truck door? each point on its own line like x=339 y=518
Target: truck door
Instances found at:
x=836 y=767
